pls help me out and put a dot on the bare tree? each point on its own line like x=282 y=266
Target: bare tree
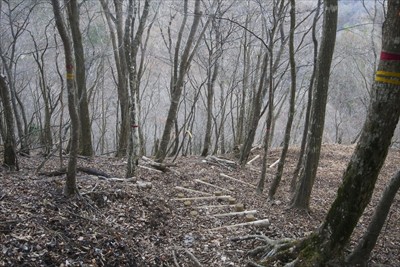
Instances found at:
x=278 y=175
x=181 y=66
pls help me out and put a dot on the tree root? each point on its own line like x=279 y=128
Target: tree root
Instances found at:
x=272 y=251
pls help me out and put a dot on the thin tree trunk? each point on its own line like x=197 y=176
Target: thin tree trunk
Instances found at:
x=70 y=188
x=85 y=131
x=278 y=175
x=309 y=102
x=362 y=252
x=302 y=195
x=178 y=78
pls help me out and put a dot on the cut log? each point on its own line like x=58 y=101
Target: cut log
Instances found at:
x=214 y=206
x=164 y=167
x=192 y=190
x=274 y=164
x=212 y=185
x=237 y=180
x=264 y=222
x=201 y=198
x=246 y=212
x=256 y=157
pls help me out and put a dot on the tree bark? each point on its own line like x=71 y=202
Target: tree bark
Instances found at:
x=370 y=153
x=132 y=44
x=309 y=102
x=70 y=188
x=362 y=252
x=10 y=154
x=85 y=131
x=302 y=195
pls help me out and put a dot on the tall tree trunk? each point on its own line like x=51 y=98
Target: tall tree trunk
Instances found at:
x=132 y=43
x=268 y=132
x=85 y=132
x=70 y=188
x=278 y=175
x=210 y=97
x=369 y=155
x=255 y=112
x=10 y=154
x=361 y=254
x=309 y=102
x=302 y=195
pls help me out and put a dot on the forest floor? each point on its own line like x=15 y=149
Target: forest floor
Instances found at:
x=116 y=223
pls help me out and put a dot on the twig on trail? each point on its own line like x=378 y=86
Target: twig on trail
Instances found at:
x=47 y=158
x=253 y=264
x=175 y=259
x=193 y=258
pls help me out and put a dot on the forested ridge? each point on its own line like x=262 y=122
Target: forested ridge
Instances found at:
x=199 y=133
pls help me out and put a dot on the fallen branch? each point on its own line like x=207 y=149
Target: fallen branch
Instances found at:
x=213 y=206
x=229 y=164
x=192 y=191
x=87 y=170
x=237 y=180
x=115 y=179
x=235 y=213
x=164 y=167
x=150 y=169
x=202 y=198
x=264 y=222
x=212 y=185
x=195 y=261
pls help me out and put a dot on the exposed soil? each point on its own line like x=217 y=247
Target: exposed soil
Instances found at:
x=117 y=223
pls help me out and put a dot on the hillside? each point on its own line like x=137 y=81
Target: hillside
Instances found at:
x=117 y=223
